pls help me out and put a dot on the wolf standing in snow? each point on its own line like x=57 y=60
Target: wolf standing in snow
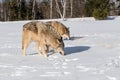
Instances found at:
x=60 y=28
x=44 y=35
x=29 y=34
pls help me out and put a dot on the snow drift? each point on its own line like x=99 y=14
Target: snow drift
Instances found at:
x=93 y=53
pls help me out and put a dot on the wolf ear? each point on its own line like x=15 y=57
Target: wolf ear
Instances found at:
x=59 y=40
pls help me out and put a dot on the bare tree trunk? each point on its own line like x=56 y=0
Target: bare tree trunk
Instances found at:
x=5 y=16
x=64 y=10
x=4 y=10
x=8 y=14
x=71 y=7
x=62 y=15
x=58 y=9
x=27 y=15
x=33 y=10
x=19 y=6
x=1 y=11
x=51 y=5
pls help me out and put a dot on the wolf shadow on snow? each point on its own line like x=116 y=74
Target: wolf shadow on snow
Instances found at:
x=76 y=49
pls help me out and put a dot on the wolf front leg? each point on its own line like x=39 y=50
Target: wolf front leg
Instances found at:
x=38 y=48
x=44 y=48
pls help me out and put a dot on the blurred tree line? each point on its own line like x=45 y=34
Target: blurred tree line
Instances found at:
x=11 y=10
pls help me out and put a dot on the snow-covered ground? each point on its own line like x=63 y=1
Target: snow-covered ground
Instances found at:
x=93 y=53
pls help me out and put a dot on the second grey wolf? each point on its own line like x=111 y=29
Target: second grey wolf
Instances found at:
x=60 y=28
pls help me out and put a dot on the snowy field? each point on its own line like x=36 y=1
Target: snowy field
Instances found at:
x=93 y=53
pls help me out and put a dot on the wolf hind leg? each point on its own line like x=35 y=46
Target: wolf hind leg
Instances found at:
x=25 y=42
x=38 y=48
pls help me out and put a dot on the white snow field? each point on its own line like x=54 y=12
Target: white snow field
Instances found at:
x=93 y=53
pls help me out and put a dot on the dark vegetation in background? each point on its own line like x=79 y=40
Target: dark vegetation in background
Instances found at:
x=14 y=10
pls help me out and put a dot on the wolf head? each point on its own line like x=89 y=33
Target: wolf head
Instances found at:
x=66 y=34
x=60 y=28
